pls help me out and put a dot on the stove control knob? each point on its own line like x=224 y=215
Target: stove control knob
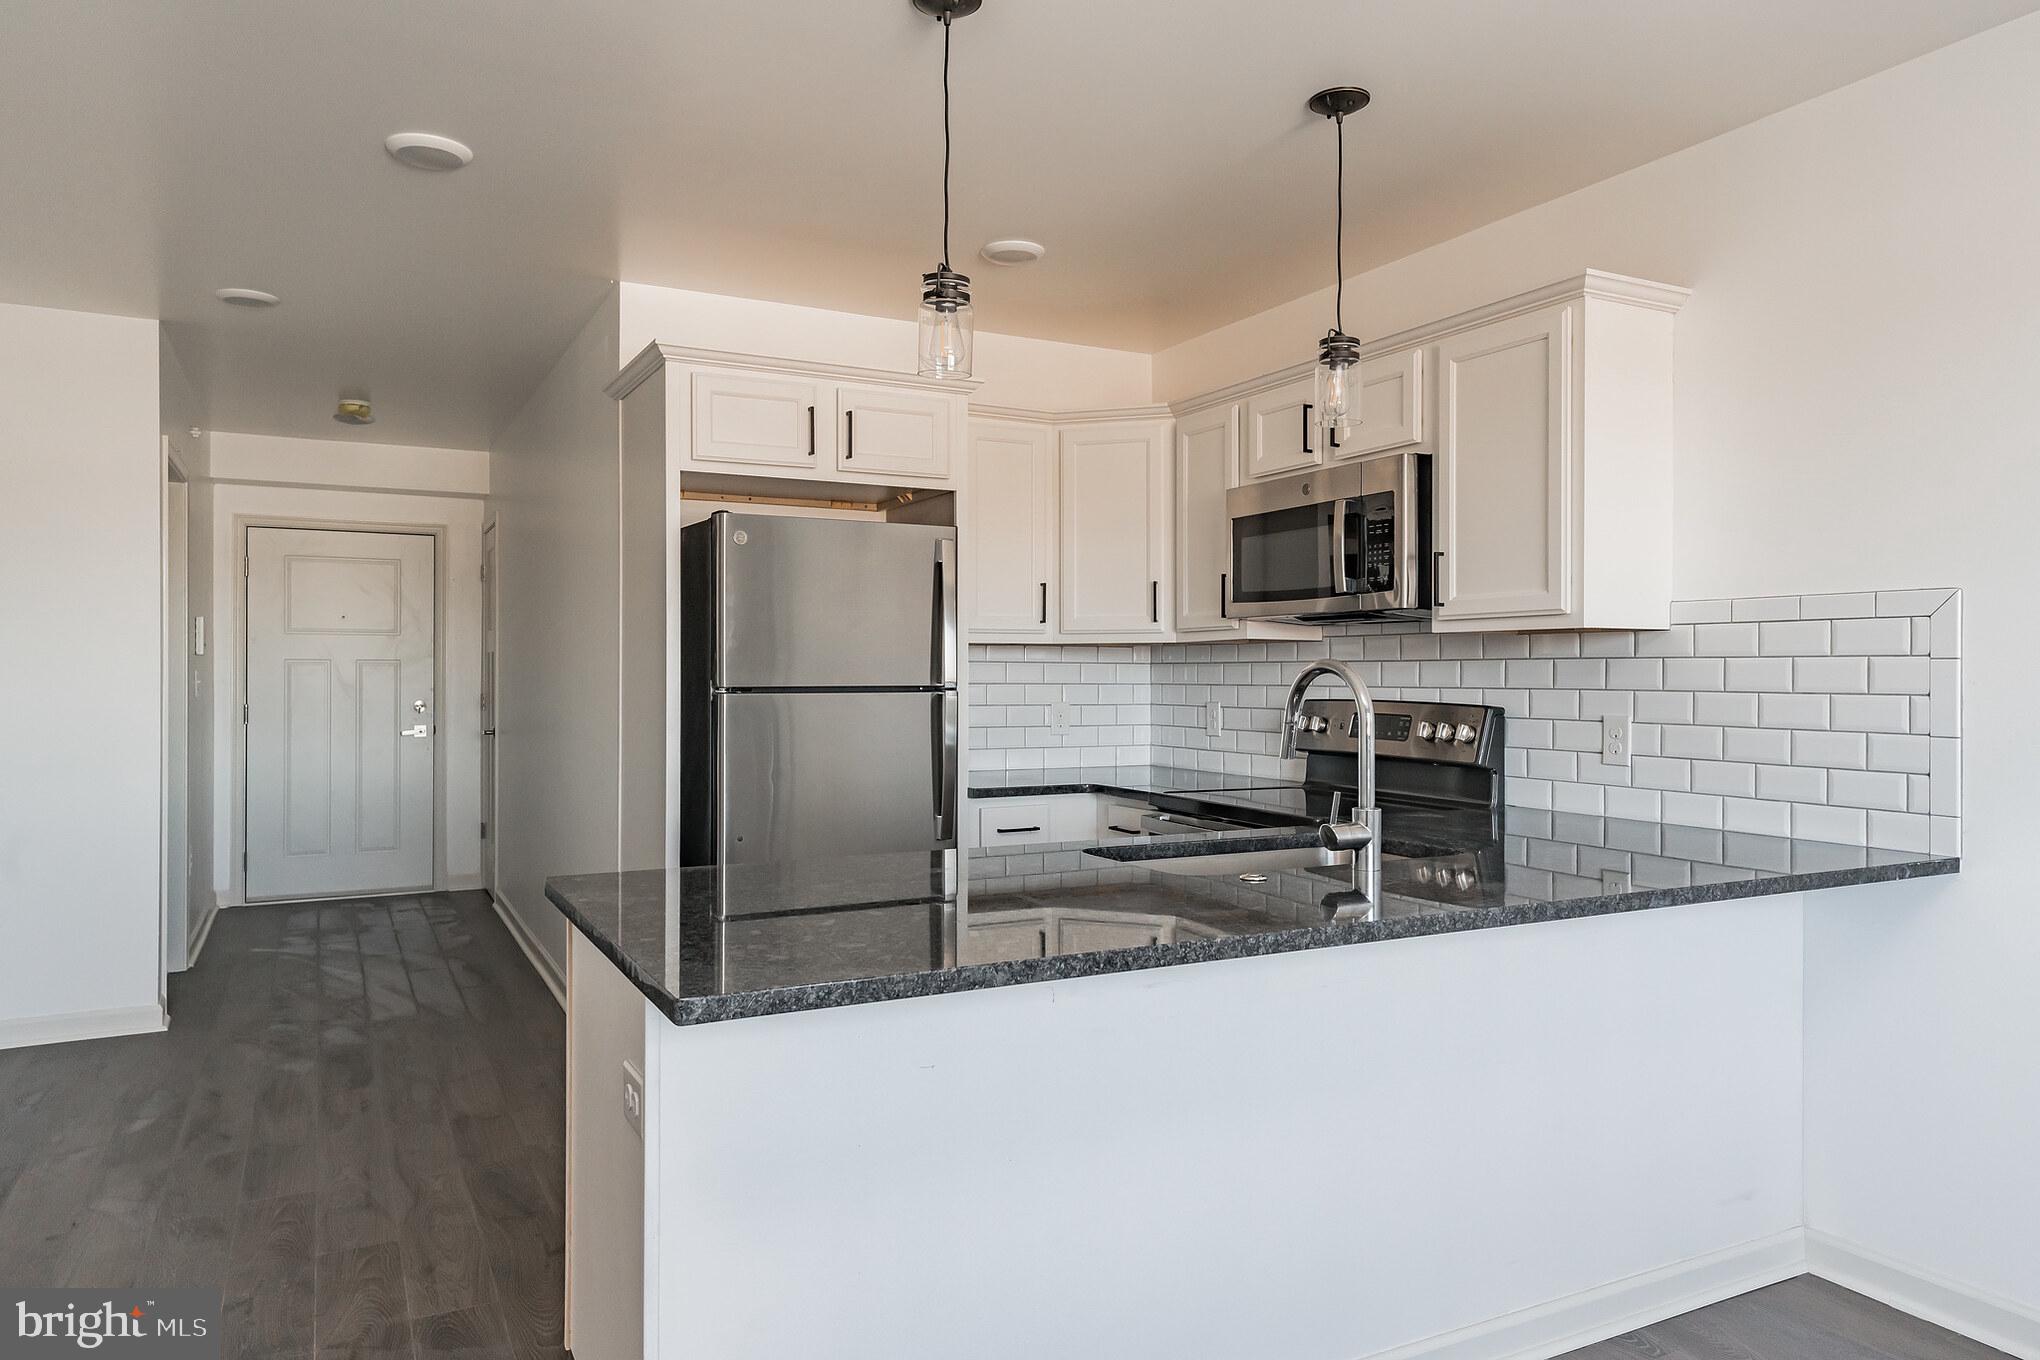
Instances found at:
x=1313 y=723
x=1465 y=735
x=1425 y=731
x=1463 y=879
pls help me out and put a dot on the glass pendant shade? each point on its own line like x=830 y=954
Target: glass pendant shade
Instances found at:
x=945 y=324
x=1338 y=386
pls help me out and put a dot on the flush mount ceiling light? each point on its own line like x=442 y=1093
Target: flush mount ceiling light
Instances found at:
x=1338 y=365
x=1012 y=252
x=246 y=297
x=354 y=409
x=428 y=151
x=945 y=313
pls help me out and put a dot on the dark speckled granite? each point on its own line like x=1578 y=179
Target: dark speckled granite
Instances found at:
x=723 y=944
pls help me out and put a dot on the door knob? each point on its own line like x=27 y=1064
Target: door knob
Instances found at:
x=421 y=730
x=418 y=705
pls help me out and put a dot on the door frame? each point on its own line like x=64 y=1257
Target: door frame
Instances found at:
x=174 y=830
x=439 y=533
x=492 y=650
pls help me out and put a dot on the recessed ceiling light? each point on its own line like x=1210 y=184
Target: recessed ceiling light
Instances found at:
x=246 y=297
x=428 y=151
x=1012 y=252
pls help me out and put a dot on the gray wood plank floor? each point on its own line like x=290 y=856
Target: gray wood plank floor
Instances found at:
x=1803 y=1319
x=354 y=1127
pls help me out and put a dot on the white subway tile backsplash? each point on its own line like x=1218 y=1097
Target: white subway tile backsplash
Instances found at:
x=1809 y=715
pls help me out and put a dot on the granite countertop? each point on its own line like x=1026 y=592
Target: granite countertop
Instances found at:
x=711 y=944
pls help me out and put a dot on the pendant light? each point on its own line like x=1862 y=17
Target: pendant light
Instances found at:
x=945 y=314
x=1338 y=365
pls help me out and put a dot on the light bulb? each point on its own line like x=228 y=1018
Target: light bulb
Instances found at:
x=1338 y=385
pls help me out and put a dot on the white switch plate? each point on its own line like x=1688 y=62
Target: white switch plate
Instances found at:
x=1059 y=716
x=634 y=1098
x=1615 y=739
x=1214 y=717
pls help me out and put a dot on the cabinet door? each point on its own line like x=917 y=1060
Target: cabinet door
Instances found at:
x=901 y=433
x=1207 y=452
x=1504 y=474
x=1089 y=935
x=1003 y=941
x=777 y=421
x=1282 y=431
x=1114 y=490
x=1391 y=406
x=1009 y=528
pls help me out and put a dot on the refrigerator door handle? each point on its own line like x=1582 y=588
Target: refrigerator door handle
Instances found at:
x=945 y=612
x=944 y=734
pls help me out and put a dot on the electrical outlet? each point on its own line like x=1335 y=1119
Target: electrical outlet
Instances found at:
x=1059 y=716
x=1614 y=880
x=1214 y=717
x=1615 y=740
x=634 y=1098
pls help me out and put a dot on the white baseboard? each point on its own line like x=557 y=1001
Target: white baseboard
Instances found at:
x=64 y=1029
x=1551 y=1329
x=548 y=971
x=463 y=883
x=198 y=939
x=1979 y=1315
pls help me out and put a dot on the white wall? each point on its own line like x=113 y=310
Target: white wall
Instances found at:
x=80 y=668
x=1854 y=411
x=1044 y=375
x=262 y=479
x=554 y=500
x=1331 y=1154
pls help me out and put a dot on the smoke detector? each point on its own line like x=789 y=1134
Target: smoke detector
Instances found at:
x=245 y=297
x=428 y=150
x=354 y=410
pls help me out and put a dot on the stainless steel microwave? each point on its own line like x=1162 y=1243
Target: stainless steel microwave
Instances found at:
x=1348 y=541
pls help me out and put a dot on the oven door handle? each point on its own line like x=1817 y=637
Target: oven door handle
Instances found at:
x=1342 y=583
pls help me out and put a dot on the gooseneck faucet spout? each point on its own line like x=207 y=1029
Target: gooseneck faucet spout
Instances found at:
x=1361 y=832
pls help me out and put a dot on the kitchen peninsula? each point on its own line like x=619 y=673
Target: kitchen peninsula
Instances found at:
x=1082 y=1127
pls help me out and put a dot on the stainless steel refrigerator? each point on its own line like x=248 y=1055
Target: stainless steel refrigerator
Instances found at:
x=818 y=688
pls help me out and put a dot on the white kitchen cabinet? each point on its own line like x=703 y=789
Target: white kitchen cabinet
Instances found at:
x=1014 y=821
x=1083 y=933
x=776 y=422
x=1392 y=406
x=1553 y=475
x=893 y=431
x=1004 y=938
x=1207 y=454
x=1009 y=530
x=1282 y=432
x=1113 y=494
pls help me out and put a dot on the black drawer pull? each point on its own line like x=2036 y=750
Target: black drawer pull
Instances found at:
x=1015 y=830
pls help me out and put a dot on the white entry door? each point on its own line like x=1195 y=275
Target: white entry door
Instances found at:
x=341 y=715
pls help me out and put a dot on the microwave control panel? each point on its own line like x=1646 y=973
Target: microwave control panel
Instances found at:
x=1377 y=538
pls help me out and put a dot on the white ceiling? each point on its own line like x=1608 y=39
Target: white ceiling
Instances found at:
x=153 y=152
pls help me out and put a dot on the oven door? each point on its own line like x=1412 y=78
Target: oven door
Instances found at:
x=1332 y=543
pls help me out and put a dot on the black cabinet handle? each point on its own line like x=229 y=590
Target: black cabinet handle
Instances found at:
x=1044 y=602
x=810 y=431
x=1332 y=437
x=1123 y=830
x=1014 y=830
x=1307 y=408
x=849 y=435
x=1224 y=584
x=1154 y=601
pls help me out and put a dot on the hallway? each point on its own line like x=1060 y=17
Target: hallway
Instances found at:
x=354 y=1126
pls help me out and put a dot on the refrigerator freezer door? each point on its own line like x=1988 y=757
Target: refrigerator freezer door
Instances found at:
x=846 y=773
x=819 y=603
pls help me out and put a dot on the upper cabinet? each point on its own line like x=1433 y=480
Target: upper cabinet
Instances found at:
x=1009 y=531
x=727 y=415
x=1553 y=475
x=1114 y=498
x=1282 y=431
x=1207 y=453
x=1392 y=405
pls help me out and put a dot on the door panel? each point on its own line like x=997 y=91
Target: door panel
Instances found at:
x=1207 y=447
x=1115 y=506
x=1282 y=431
x=887 y=431
x=809 y=603
x=760 y=420
x=340 y=657
x=819 y=774
x=1505 y=468
x=1011 y=538
x=1391 y=405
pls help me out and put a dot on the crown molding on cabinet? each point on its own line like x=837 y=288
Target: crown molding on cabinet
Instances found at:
x=653 y=358
x=1593 y=283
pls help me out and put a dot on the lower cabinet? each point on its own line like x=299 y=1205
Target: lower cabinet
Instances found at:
x=1005 y=936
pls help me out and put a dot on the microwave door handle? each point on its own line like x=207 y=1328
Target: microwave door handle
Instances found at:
x=1342 y=584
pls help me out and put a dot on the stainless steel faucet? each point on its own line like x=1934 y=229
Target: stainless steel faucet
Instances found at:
x=1360 y=833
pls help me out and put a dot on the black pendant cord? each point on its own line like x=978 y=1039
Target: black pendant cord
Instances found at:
x=1339 y=237
x=945 y=141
